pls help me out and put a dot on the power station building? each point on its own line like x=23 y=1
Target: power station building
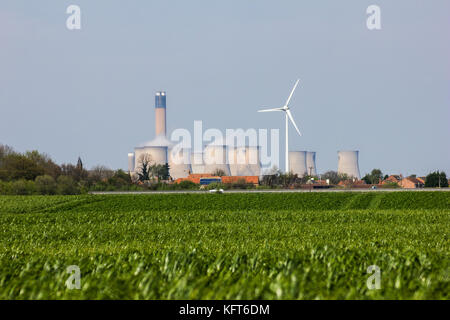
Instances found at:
x=232 y=161
x=237 y=161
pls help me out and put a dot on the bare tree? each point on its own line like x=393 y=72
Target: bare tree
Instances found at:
x=143 y=169
x=219 y=173
x=100 y=173
x=335 y=177
x=5 y=150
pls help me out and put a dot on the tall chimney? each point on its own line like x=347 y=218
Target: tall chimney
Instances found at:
x=160 y=113
x=131 y=162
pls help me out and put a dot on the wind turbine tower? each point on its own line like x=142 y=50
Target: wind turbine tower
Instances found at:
x=288 y=116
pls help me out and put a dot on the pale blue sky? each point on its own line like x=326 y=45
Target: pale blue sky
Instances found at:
x=91 y=92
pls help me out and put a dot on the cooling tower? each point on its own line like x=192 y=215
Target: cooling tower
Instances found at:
x=237 y=160
x=160 y=113
x=244 y=161
x=311 y=163
x=254 y=162
x=197 y=164
x=179 y=163
x=348 y=163
x=297 y=162
x=131 y=162
x=215 y=158
x=155 y=155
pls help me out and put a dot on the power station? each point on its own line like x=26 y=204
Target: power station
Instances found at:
x=230 y=160
x=348 y=164
x=160 y=114
x=311 y=163
x=297 y=163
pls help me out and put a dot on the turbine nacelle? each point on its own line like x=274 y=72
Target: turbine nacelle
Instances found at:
x=286 y=108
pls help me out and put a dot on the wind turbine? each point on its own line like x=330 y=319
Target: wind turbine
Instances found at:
x=288 y=115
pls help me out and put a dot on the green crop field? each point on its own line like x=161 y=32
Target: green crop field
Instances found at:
x=226 y=246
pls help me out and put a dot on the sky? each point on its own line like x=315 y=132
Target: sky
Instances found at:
x=90 y=92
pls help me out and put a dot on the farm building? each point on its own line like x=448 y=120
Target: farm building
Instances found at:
x=198 y=178
x=411 y=183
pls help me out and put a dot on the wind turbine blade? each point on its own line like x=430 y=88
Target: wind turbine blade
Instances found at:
x=292 y=92
x=293 y=122
x=270 y=110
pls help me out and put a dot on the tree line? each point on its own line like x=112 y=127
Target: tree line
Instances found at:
x=32 y=172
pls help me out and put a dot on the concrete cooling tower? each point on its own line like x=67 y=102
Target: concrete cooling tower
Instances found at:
x=160 y=113
x=179 y=163
x=297 y=162
x=244 y=161
x=215 y=158
x=153 y=154
x=197 y=164
x=131 y=162
x=348 y=163
x=311 y=163
x=254 y=160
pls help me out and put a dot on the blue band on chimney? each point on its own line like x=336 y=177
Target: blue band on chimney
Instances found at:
x=160 y=100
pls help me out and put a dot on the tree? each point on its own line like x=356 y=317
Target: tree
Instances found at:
x=77 y=172
x=100 y=173
x=334 y=177
x=288 y=179
x=23 y=187
x=120 y=179
x=4 y=152
x=436 y=179
x=44 y=162
x=17 y=166
x=163 y=172
x=275 y=177
x=143 y=169
x=29 y=165
x=66 y=185
x=219 y=173
x=45 y=184
x=375 y=177
x=367 y=179
x=186 y=184
x=273 y=171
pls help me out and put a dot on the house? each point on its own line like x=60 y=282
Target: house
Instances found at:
x=196 y=178
x=241 y=179
x=421 y=179
x=353 y=184
x=394 y=178
x=411 y=183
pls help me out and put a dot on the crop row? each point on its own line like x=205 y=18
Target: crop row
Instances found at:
x=244 y=201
